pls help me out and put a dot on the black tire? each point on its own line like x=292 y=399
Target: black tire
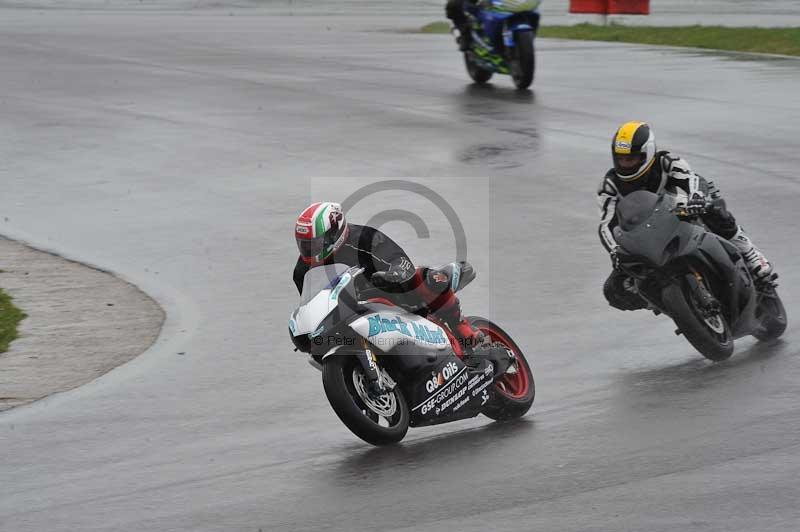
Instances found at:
x=502 y=405
x=523 y=60
x=337 y=379
x=772 y=316
x=713 y=346
x=478 y=74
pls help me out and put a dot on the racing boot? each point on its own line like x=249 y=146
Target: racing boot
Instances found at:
x=477 y=348
x=757 y=263
x=468 y=336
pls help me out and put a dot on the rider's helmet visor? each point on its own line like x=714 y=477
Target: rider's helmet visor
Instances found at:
x=629 y=163
x=311 y=247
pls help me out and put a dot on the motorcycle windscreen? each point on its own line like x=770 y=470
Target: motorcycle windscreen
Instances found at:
x=647 y=225
x=319 y=297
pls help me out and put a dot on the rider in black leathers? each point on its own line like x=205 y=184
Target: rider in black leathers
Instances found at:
x=324 y=236
x=454 y=9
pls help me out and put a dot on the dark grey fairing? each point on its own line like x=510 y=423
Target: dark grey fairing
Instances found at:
x=658 y=247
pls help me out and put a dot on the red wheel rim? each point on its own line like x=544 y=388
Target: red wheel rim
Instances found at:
x=513 y=386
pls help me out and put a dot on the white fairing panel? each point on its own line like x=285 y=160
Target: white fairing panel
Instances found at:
x=388 y=329
x=309 y=316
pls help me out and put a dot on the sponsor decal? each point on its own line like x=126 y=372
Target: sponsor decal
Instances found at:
x=437 y=380
x=342 y=283
x=480 y=377
x=446 y=396
x=302 y=229
x=481 y=388
x=461 y=403
x=623 y=145
x=379 y=325
x=452 y=400
x=484 y=397
x=335 y=216
x=456 y=276
x=440 y=277
x=292 y=326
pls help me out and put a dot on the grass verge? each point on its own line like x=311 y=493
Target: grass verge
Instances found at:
x=436 y=27
x=785 y=41
x=10 y=316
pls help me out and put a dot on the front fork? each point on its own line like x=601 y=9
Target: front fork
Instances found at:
x=705 y=299
x=373 y=373
x=508 y=35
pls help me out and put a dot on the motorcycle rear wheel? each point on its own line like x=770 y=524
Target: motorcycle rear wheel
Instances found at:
x=513 y=394
x=680 y=306
x=341 y=375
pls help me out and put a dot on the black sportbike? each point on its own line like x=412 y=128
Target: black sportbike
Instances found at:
x=385 y=369
x=695 y=277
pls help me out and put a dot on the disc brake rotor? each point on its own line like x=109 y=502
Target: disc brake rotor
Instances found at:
x=384 y=405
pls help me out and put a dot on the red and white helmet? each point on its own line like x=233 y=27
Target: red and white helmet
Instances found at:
x=321 y=229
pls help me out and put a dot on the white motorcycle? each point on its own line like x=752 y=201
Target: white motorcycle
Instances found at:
x=385 y=369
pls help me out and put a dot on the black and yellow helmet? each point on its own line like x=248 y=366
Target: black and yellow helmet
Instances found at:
x=633 y=150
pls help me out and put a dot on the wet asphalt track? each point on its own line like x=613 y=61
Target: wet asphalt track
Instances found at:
x=176 y=149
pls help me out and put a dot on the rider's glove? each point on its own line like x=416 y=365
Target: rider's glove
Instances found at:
x=400 y=271
x=696 y=206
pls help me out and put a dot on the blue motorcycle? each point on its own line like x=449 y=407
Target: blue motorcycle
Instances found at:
x=501 y=40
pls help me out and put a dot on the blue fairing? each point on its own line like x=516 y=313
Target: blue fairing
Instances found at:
x=499 y=26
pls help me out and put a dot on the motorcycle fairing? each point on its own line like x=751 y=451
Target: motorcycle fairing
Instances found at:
x=494 y=29
x=448 y=392
x=307 y=318
x=387 y=327
x=675 y=247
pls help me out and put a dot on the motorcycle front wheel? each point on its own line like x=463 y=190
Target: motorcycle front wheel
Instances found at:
x=710 y=335
x=377 y=420
x=523 y=60
x=478 y=74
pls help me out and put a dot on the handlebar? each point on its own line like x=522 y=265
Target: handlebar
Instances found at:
x=681 y=211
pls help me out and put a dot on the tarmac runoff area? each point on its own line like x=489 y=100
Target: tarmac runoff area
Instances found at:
x=82 y=322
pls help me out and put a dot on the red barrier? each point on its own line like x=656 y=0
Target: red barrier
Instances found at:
x=610 y=7
x=629 y=7
x=589 y=6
